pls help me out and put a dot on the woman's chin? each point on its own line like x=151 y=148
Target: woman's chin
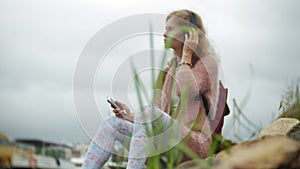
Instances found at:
x=168 y=46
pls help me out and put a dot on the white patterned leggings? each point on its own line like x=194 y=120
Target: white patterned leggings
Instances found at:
x=135 y=137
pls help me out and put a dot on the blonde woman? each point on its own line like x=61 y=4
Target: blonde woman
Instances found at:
x=189 y=76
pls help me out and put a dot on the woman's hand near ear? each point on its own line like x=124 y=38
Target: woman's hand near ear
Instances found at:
x=191 y=42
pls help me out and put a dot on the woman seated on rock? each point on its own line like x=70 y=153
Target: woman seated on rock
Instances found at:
x=193 y=72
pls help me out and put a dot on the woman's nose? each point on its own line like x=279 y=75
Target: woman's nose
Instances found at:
x=165 y=34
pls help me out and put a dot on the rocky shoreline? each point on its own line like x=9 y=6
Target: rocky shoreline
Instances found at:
x=277 y=147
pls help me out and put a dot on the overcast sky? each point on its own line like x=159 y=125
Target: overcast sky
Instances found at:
x=41 y=41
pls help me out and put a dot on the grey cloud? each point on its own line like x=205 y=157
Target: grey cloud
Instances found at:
x=41 y=42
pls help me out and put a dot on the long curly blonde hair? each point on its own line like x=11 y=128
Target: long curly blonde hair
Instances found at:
x=205 y=47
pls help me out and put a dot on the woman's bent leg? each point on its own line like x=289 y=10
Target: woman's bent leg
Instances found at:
x=142 y=145
x=102 y=144
x=138 y=146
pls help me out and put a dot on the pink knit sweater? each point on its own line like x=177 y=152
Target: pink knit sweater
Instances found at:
x=202 y=78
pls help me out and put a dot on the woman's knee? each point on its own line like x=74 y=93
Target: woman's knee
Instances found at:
x=147 y=113
x=113 y=122
x=116 y=123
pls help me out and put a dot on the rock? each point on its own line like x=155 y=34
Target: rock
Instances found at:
x=279 y=127
x=271 y=152
x=294 y=133
x=226 y=153
x=274 y=152
x=278 y=147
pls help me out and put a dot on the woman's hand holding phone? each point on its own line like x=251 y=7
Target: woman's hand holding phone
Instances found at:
x=121 y=110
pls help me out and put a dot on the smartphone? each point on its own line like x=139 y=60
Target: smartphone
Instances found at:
x=113 y=104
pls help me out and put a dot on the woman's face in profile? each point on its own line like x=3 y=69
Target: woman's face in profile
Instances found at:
x=173 y=36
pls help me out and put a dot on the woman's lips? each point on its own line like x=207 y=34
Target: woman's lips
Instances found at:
x=165 y=40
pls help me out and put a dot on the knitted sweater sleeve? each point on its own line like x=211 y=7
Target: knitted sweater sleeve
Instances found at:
x=195 y=80
x=191 y=83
